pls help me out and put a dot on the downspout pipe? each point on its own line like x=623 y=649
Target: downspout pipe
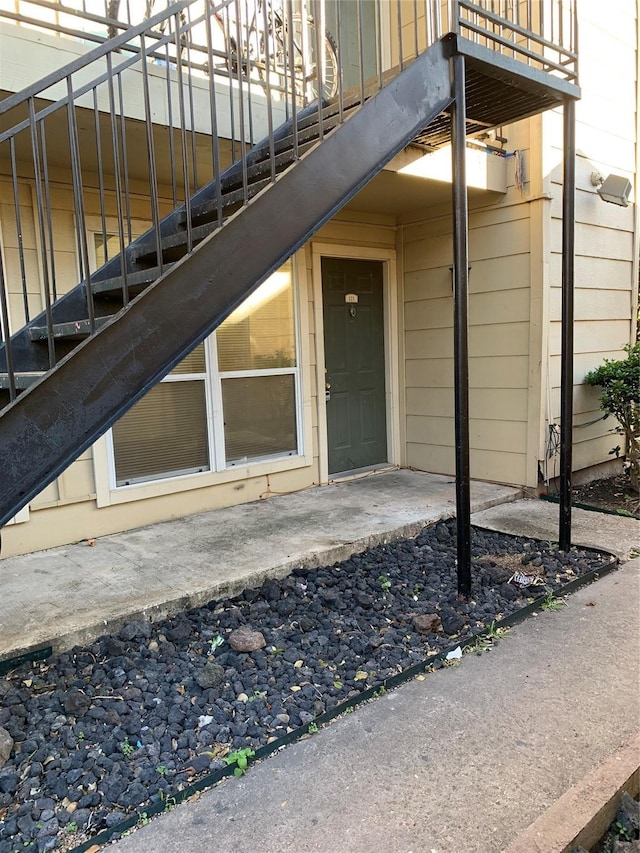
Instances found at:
x=566 y=366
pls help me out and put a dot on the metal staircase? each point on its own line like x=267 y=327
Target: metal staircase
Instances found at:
x=69 y=371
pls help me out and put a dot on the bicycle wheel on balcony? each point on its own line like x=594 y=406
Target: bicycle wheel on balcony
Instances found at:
x=313 y=78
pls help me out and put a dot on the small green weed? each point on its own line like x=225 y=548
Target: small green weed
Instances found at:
x=489 y=637
x=625 y=512
x=127 y=748
x=71 y=827
x=621 y=831
x=169 y=802
x=312 y=728
x=385 y=584
x=381 y=691
x=80 y=735
x=494 y=633
x=215 y=644
x=481 y=644
x=257 y=694
x=161 y=770
x=240 y=757
x=552 y=603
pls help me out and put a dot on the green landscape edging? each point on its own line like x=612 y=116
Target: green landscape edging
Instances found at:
x=28 y=657
x=144 y=813
x=554 y=499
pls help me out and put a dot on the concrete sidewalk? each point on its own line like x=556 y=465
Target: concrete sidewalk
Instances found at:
x=460 y=762
x=73 y=594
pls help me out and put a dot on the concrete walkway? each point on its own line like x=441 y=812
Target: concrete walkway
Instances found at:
x=460 y=762
x=539 y=520
x=73 y=594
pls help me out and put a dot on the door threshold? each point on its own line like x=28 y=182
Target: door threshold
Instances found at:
x=354 y=473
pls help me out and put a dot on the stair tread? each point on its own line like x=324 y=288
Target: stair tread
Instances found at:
x=70 y=329
x=199 y=232
x=308 y=132
x=262 y=168
x=209 y=206
x=135 y=279
x=22 y=379
x=259 y=160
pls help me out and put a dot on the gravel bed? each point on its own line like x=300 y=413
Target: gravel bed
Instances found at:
x=128 y=721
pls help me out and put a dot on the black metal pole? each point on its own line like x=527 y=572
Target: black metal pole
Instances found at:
x=460 y=331
x=566 y=366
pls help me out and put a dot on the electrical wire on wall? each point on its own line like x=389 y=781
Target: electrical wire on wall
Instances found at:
x=552 y=451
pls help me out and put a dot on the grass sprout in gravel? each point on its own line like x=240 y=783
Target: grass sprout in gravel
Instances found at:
x=130 y=720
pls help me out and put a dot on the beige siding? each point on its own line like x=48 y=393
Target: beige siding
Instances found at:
x=357 y=230
x=499 y=308
x=604 y=271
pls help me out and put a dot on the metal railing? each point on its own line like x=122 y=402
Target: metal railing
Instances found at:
x=106 y=147
x=542 y=34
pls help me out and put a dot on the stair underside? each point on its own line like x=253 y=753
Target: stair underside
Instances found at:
x=498 y=91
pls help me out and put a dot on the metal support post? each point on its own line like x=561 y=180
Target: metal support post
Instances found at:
x=460 y=330
x=566 y=367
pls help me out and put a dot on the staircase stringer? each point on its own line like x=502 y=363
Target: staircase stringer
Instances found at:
x=77 y=401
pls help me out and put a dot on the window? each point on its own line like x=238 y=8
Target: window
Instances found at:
x=256 y=348
x=247 y=370
x=165 y=433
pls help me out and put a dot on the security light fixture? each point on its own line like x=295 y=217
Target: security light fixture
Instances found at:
x=615 y=189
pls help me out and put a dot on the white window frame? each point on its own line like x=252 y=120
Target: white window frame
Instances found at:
x=220 y=376
x=205 y=378
x=108 y=493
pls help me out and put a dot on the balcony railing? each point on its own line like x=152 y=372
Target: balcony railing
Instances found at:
x=540 y=33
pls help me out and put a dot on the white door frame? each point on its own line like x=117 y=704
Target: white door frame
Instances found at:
x=391 y=343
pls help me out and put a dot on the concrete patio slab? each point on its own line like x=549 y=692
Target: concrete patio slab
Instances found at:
x=73 y=594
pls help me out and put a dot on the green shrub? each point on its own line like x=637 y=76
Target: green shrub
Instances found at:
x=620 y=397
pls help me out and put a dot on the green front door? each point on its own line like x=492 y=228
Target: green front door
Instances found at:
x=354 y=361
